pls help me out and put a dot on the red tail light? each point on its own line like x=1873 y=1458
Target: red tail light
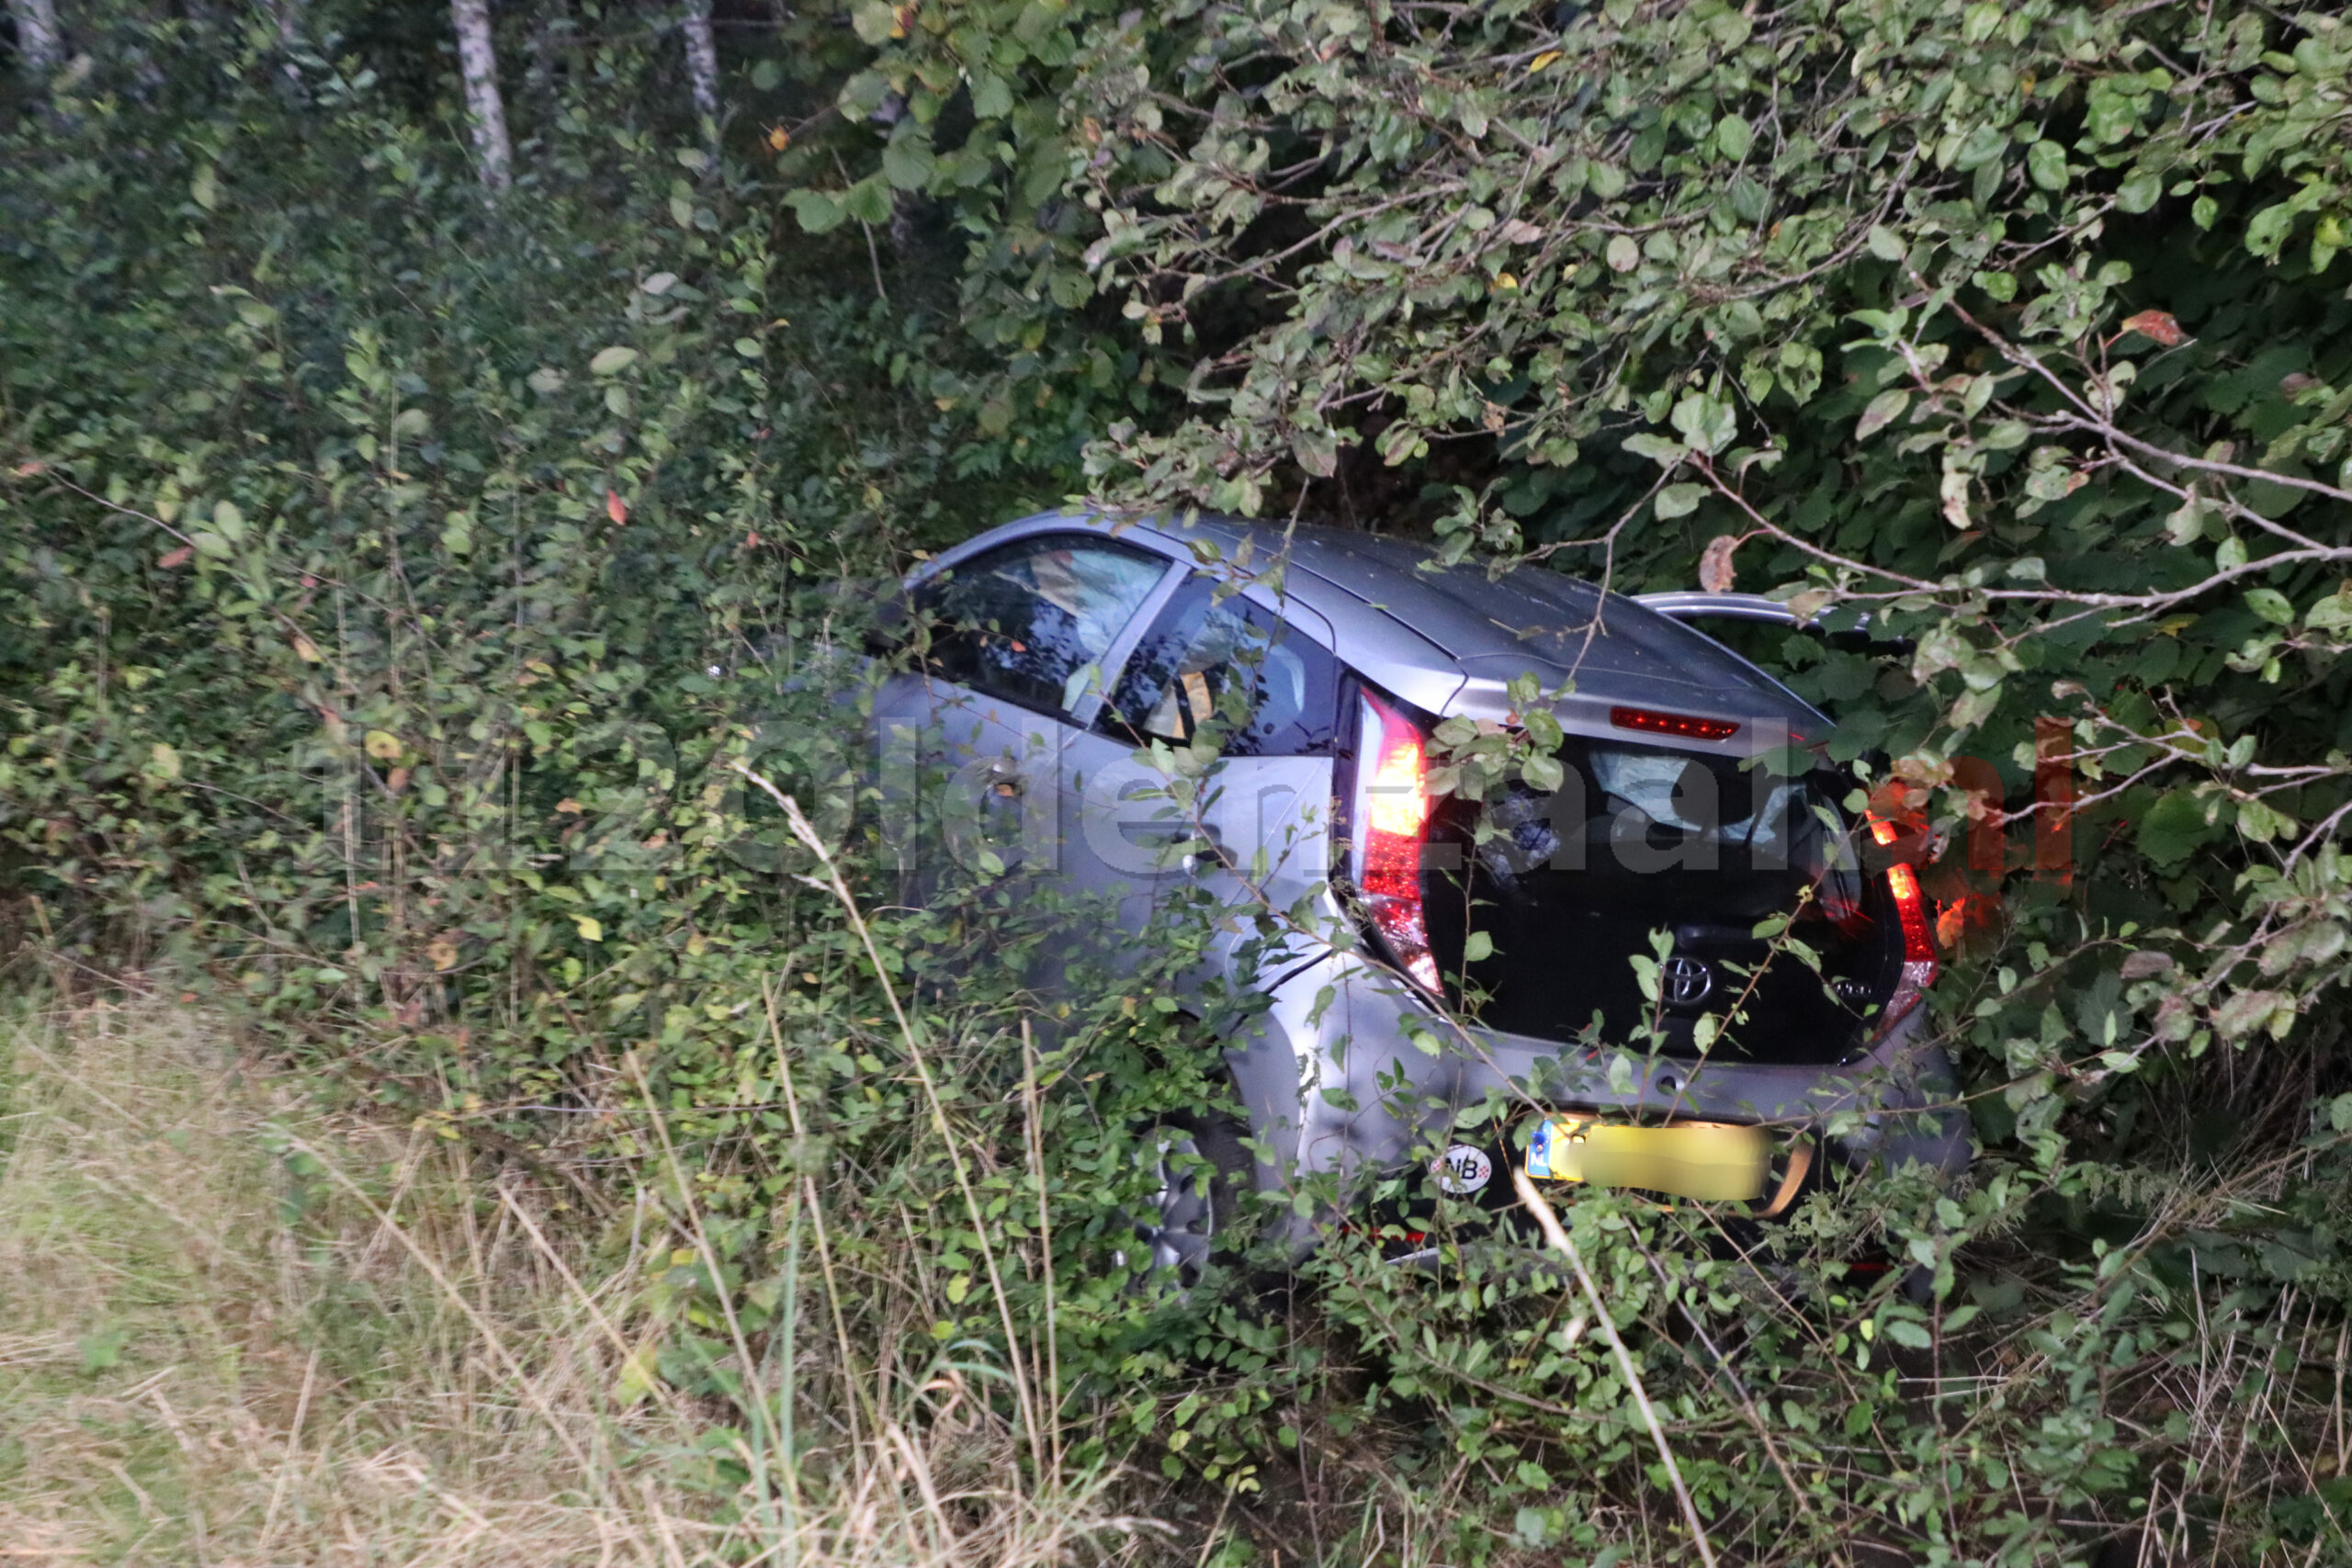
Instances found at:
x=1918 y=946
x=1919 y=967
x=1391 y=820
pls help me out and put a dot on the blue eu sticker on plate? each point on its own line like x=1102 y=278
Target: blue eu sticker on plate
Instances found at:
x=1551 y=1134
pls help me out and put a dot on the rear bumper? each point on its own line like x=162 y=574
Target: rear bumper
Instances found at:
x=1352 y=1074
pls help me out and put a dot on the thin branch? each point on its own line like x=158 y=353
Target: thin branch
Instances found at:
x=1565 y=1245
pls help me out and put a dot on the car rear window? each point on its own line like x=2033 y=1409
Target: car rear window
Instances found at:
x=1570 y=888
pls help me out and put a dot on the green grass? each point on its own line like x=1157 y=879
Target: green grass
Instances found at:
x=236 y=1327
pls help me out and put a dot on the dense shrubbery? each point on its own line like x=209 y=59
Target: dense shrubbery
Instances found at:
x=2021 y=327
x=397 y=579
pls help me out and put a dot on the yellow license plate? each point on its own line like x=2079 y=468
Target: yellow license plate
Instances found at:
x=1713 y=1161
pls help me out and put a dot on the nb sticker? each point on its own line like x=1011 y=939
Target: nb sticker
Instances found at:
x=1462 y=1169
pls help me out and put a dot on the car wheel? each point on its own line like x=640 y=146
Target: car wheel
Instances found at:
x=1197 y=1210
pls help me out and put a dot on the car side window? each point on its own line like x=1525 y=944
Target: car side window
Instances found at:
x=1030 y=621
x=1226 y=663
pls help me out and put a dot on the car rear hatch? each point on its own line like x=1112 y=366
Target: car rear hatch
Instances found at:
x=1681 y=879
x=1668 y=885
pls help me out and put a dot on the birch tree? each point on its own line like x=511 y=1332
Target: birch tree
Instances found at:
x=38 y=45
x=702 y=59
x=485 y=110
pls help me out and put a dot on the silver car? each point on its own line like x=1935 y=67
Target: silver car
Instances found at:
x=1665 y=959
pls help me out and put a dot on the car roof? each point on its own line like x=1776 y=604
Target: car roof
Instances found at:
x=1449 y=639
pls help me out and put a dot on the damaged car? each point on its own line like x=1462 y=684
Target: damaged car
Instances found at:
x=1652 y=947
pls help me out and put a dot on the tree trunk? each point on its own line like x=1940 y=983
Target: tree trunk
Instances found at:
x=484 y=108
x=702 y=59
x=38 y=48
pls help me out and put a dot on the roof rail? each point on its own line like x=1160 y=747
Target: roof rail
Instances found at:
x=1691 y=603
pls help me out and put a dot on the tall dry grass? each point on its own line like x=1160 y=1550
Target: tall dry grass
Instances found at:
x=237 y=1328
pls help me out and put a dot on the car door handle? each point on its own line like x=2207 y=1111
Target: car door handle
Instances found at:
x=1167 y=834
x=1212 y=849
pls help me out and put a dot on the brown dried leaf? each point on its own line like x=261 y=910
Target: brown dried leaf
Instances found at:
x=2157 y=326
x=1954 y=491
x=614 y=507
x=1716 y=573
x=176 y=559
x=1925 y=769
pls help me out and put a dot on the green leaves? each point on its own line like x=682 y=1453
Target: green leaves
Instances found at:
x=2266 y=230
x=1318 y=451
x=2140 y=190
x=1883 y=411
x=1706 y=422
x=2175 y=827
x=906 y=161
x=868 y=201
x=819 y=211
x=613 y=361
x=2333 y=613
x=2046 y=163
x=1656 y=448
x=875 y=21
x=1679 y=499
x=2271 y=606
x=2252 y=1011
x=2113 y=108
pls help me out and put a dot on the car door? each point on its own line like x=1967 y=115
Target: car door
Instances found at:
x=1250 y=675
x=1013 y=643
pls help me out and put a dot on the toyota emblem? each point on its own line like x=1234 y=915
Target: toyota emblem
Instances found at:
x=1688 y=981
